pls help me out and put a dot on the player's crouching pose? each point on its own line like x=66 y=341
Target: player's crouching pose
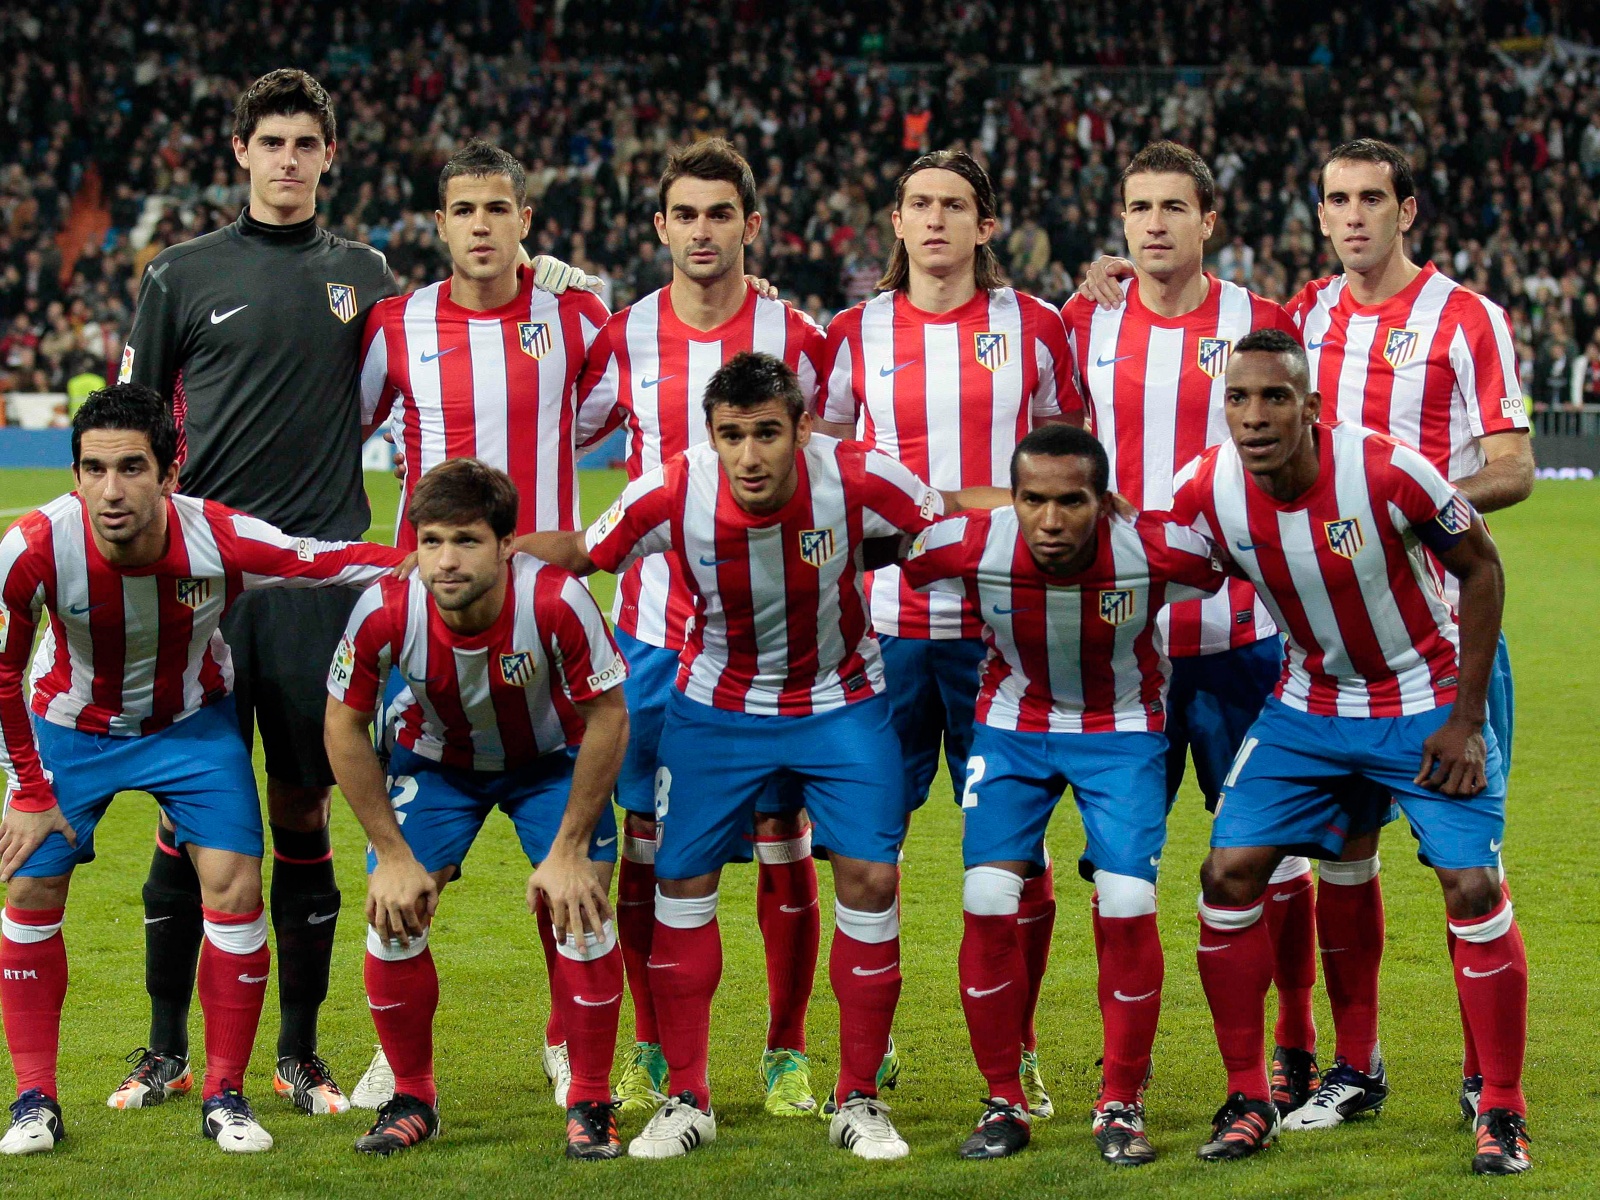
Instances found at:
x=1381 y=685
x=781 y=678
x=133 y=691
x=511 y=700
x=1072 y=694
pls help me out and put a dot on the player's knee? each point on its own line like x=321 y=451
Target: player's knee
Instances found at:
x=1124 y=895
x=866 y=886
x=25 y=892
x=991 y=892
x=297 y=807
x=1361 y=846
x=1234 y=877
x=642 y=827
x=228 y=882
x=785 y=826
x=1472 y=894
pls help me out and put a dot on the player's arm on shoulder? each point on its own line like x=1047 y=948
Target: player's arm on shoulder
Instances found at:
x=638 y=523
x=1191 y=563
x=1102 y=281
x=940 y=557
x=267 y=557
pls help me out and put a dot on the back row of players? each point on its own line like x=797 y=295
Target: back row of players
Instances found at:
x=944 y=373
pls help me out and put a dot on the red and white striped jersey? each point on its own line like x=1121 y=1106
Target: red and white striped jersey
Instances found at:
x=781 y=623
x=499 y=385
x=1154 y=388
x=648 y=371
x=949 y=395
x=1434 y=366
x=130 y=650
x=492 y=701
x=1070 y=654
x=1343 y=570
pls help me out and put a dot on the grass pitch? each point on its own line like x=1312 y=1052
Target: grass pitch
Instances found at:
x=503 y=1137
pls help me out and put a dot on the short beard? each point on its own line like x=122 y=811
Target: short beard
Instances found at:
x=465 y=599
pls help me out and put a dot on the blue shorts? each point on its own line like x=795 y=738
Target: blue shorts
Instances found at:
x=1014 y=780
x=198 y=770
x=933 y=694
x=1211 y=704
x=1290 y=787
x=441 y=809
x=715 y=766
x=1502 y=702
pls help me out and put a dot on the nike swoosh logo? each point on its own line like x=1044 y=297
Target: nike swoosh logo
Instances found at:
x=83 y=610
x=596 y=1003
x=385 y=1007
x=660 y=966
x=1494 y=847
x=605 y=841
x=977 y=995
x=1251 y=548
x=650 y=383
x=713 y=562
x=885 y=372
x=437 y=354
x=796 y=908
x=1280 y=897
x=1471 y=974
x=157 y=920
x=634 y=903
x=1103 y=361
x=1334 y=949
x=218 y=318
x=1031 y=920
x=319 y=918
x=1208 y=949
x=1006 y=612
x=263 y=978
x=1135 y=999
x=875 y=970
x=1316 y=345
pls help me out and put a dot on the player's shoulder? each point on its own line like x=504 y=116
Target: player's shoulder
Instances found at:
x=848 y=323
x=197 y=253
x=1325 y=291
x=1464 y=304
x=359 y=255
x=581 y=302
x=31 y=527
x=1032 y=307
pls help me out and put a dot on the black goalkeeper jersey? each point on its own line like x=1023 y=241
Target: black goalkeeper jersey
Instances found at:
x=254 y=333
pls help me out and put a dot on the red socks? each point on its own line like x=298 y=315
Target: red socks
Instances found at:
x=590 y=991
x=864 y=969
x=1491 y=970
x=232 y=983
x=555 y=1031
x=1235 y=957
x=1350 y=928
x=685 y=967
x=1292 y=925
x=33 y=987
x=636 y=923
x=1036 y=926
x=994 y=981
x=791 y=928
x=403 y=995
x=1131 y=971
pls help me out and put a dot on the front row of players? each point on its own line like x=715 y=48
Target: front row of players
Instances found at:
x=1344 y=533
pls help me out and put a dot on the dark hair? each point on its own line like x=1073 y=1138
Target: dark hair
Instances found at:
x=986 y=265
x=1373 y=151
x=479 y=158
x=1066 y=441
x=286 y=92
x=713 y=158
x=461 y=491
x=1169 y=158
x=752 y=378
x=133 y=407
x=1276 y=341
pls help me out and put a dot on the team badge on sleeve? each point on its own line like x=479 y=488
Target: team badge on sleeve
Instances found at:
x=517 y=668
x=192 y=593
x=344 y=662
x=612 y=675
x=342 y=300
x=125 y=371
x=992 y=349
x=5 y=626
x=1399 y=346
x=816 y=546
x=609 y=520
x=1344 y=536
x=1455 y=518
x=1117 y=607
x=534 y=337
x=1213 y=356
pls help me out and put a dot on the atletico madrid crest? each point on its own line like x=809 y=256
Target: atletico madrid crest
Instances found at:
x=1399 y=347
x=1344 y=536
x=1116 y=608
x=992 y=349
x=1455 y=517
x=535 y=338
x=342 y=300
x=192 y=593
x=517 y=668
x=816 y=546
x=1213 y=356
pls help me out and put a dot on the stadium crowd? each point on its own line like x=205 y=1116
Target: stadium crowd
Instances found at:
x=827 y=110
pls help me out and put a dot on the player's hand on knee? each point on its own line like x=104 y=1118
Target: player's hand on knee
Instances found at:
x=578 y=904
x=1454 y=759
x=1100 y=284
x=21 y=833
x=401 y=900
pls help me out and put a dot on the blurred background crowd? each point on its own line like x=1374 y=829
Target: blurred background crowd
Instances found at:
x=114 y=123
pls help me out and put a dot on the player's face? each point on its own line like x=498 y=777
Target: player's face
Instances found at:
x=482 y=225
x=1057 y=509
x=1165 y=224
x=1269 y=411
x=119 y=483
x=1360 y=214
x=286 y=157
x=460 y=564
x=938 y=222
x=705 y=228
x=757 y=447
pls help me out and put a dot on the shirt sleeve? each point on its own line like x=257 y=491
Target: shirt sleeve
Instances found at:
x=941 y=557
x=577 y=640
x=840 y=403
x=1056 y=393
x=264 y=556
x=1425 y=503
x=154 y=352
x=893 y=500
x=1186 y=561
x=363 y=654
x=638 y=524
x=21 y=601
x=377 y=389
x=810 y=364
x=1484 y=359
x=599 y=390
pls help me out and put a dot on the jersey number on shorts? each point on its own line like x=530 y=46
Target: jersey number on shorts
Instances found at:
x=402 y=791
x=1239 y=761
x=663 y=791
x=975 y=769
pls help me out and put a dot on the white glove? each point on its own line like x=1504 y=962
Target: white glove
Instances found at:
x=552 y=275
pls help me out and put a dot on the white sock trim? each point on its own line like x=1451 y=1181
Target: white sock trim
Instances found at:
x=1348 y=874
x=1227 y=920
x=394 y=951
x=638 y=849
x=873 y=928
x=592 y=947
x=686 y=913
x=991 y=892
x=1124 y=895
x=788 y=850
x=26 y=935
x=1497 y=924
x=238 y=939
x=1291 y=867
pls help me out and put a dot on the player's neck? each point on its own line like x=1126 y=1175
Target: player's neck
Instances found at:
x=1297 y=476
x=271 y=214
x=1175 y=296
x=705 y=304
x=482 y=613
x=143 y=551
x=480 y=295
x=1388 y=278
x=940 y=293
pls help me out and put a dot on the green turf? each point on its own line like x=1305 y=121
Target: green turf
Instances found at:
x=502 y=1136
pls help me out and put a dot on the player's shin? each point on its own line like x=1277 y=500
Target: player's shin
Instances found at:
x=636 y=922
x=305 y=916
x=403 y=995
x=791 y=927
x=1350 y=930
x=1036 y=927
x=1291 y=921
x=1131 y=972
x=173 y=930
x=685 y=967
x=993 y=977
x=589 y=983
x=234 y=966
x=555 y=1031
x=1235 y=959
x=1491 y=970
x=864 y=969
x=33 y=987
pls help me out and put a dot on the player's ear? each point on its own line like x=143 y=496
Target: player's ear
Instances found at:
x=1408 y=213
x=1313 y=407
x=240 y=154
x=1208 y=222
x=986 y=228
x=508 y=546
x=1322 y=220
x=169 y=481
x=752 y=226
x=327 y=155
x=527 y=221
x=661 y=227
x=802 y=429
